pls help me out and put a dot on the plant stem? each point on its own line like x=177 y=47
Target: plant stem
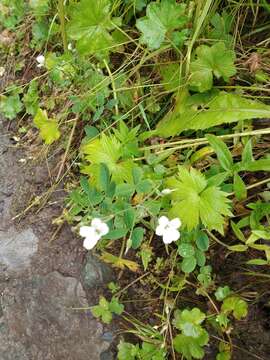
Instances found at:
x=61 y=13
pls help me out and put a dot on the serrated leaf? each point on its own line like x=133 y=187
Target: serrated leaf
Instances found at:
x=212 y=110
x=48 y=128
x=193 y=201
x=90 y=26
x=107 y=150
x=235 y=305
x=215 y=60
x=161 y=19
x=189 y=347
x=10 y=106
x=127 y=351
x=115 y=307
x=146 y=254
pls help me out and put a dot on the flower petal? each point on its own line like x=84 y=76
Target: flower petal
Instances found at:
x=163 y=220
x=170 y=235
x=103 y=229
x=96 y=223
x=160 y=230
x=175 y=223
x=90 y=242
x=86 y=231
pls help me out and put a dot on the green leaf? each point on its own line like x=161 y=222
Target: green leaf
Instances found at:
x=127 y=351
x=188 y=264
x=125 y=190
x=200 y=257
x=189 y=321
x=102 y=310
x=238 y=248
x=137 y=237
x=189 y=347
x=10 y=106
x=222 y=25
x=146 y=254
x=171 y=76
x=90 y=26
x=222 y=292
x=211 y=110
x=202 y=241
x=237 y=232
x=116 y=234
x=239 y=187
x=247 y=156
x=258 y=165
x=160 y=21
x=215 y=60
x=223 y=153
x=193 y=201
x=257 y=262
x=144 y=186
x=31 y=98
x=186 y=250
x=115 y=307
x=48 y=127
x=107 y=150
x=235 y=305
x=104 y=178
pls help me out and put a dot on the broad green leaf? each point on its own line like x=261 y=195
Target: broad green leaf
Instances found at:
x=125 y=190
x=223 y=153
x=211 y=110
x=191 y=347
x=239 y=187
x=104 y=177
x=222 y=25
x=116 y=234
x=10 y=106
x=90 y=26
x=160 y=21
x=222 y=292
x=186 y=250
x=137 y=237
x=107 y=150
x=115 y=307
x=202 y=241
x=238 y=233
x=194 y=201
x=200 y=257
x=215 y=60
x=127 y=351
x=48 y=127
x=188 y=264
x=235 y=305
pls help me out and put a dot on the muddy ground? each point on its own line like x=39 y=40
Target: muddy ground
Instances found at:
x=42 y=281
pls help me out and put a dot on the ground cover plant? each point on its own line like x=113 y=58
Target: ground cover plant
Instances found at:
x=160 y=110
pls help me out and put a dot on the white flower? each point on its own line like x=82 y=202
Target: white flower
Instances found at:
x=167 y=191
x=2 y=71
x=41 y=61
x=70 y=47
x=93 y=233
x=168 y=229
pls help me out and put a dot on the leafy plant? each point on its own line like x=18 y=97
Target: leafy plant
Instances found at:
x=196 y=200
x=162 y=22
x=105 y=309
x=48 y=127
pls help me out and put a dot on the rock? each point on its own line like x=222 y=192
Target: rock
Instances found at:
x=107 y=355
x=40 y=323
x=95 y=272
x=17 y=249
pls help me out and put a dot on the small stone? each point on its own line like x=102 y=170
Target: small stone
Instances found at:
x=95 y=272
x=107 y=355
